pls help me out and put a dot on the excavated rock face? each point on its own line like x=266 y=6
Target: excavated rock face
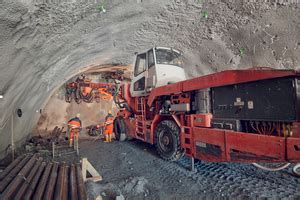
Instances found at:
x=44 y=44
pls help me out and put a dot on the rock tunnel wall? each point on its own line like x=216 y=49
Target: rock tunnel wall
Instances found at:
x=44 y=44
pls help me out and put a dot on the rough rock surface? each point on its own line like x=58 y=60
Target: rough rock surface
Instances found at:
x=44 y=44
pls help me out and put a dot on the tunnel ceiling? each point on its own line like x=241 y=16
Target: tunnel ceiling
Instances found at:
x=42 y=45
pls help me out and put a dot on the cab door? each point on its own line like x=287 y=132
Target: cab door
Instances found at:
x=151 y=76
x=138 y=82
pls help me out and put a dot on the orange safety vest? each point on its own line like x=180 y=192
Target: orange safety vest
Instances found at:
x=109 y=125
x=75 y=123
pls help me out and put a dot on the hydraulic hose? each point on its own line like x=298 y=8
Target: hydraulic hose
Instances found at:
x=296 y=169
x=272 y=169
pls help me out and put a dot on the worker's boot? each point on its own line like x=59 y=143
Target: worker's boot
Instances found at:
x=106 y=138
x=109 y=138
x=71 y=142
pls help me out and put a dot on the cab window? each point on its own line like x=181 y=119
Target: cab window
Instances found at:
x=140 y=64
x=168 y=57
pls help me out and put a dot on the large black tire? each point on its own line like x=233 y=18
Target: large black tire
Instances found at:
x=120 y=129
x=91 y=132
x=94 y=132
x=168 y=141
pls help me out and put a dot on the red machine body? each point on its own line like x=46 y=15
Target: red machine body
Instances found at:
x=263 y=128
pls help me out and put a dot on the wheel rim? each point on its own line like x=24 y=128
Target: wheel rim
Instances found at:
x=166 y=142
x=272 y=167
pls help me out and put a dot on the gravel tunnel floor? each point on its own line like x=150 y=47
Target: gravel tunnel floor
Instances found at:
x=134 y=170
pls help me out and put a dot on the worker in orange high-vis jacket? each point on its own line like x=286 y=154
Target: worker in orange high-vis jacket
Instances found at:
x=108 y=130
x=74 y=126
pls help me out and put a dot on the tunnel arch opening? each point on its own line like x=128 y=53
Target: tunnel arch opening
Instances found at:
x=57 y=111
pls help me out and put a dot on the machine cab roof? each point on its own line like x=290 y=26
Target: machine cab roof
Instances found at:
x=157 y=67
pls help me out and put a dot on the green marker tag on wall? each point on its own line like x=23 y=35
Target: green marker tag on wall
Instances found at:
x=205 y=14
x=242 y=51
x=101 y=8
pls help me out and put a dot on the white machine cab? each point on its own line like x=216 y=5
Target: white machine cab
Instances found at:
x=157 y=67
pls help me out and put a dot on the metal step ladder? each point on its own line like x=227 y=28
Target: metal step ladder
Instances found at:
x=140 y=119
x=186 y=140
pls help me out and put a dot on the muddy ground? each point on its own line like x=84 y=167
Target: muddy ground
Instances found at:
x=134 y=170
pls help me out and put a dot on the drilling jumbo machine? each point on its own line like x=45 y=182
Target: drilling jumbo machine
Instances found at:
x=246 y=116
